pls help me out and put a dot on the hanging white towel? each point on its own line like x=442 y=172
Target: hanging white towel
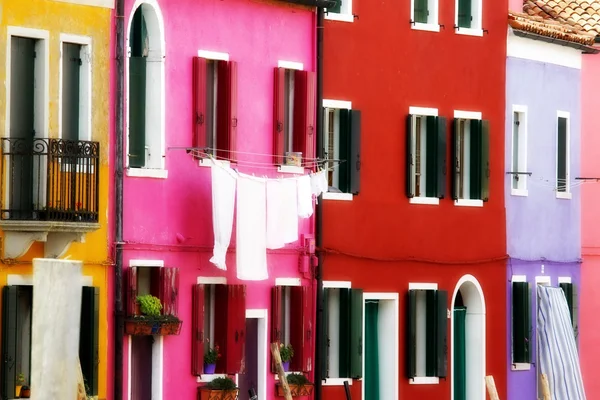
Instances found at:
x=282 y=213
x=223 y=202
x=289 y=215
x=251 y=229
x=305 y=204
x=318 y=183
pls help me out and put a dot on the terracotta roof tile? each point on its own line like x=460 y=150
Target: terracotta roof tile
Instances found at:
x=580 y=14
x=549 y=28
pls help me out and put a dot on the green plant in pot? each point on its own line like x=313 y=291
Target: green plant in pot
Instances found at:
x=299 y=386
x=149 y=305
x=220 y=389
x=210 y=359
x=286 y=352
x=151 y=321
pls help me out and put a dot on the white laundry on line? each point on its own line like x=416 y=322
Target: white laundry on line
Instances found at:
x=223 y=203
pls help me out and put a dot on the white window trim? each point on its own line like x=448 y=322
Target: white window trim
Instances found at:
x=518 y=278
x=424 y=200
x=290 y=65
x=205 y=162
x=337 y=104
x=468 y=114
x=564 y=279
x=288 y=282
x=346 y=105
x=424 y=380
x=146 y=263
x=422 y=286
x=147 y=173
x=213 y=55
x=518 y=366
x=336 y=381
x=86 y=46
x=340 y=17
x=543 y=280
x=432 y=112
x=567 y=195
x=211 y=280
x=94 y=3
x=338 y=196
x=290 y=169
x=523 y=110
x=468 y=203
x=429 y=26
x=478 y=31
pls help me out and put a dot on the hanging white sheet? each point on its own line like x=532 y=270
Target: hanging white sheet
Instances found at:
x=223 y=203
x=305 y=203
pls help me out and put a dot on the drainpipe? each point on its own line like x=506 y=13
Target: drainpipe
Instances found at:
x=319 y=214
x=119 y=108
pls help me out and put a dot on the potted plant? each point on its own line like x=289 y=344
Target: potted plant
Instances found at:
x=286 y=352
x=219 y=389
x=151 y=321
x=19 y=383
x=25 y=392
x=299 y=386
x=210 y=359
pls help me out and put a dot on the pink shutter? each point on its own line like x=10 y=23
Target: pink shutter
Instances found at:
x=276 y=319
x=169 y=290
x=301 y=328
x=279 y=116
x=299 y=137
x=199 y=100
x=197 y=330
x=227 y=109
x=131 y=291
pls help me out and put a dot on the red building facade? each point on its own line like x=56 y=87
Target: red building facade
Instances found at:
x=414 y=224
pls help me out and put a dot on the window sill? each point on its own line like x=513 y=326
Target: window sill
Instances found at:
x=290 y=169
x=337 y=196
x=424 y=380
x=519 y=192
x=468 y=203
x=424 y=200
x=339 y=17
x=418 y=26
x=286 y=374
x=469 y=31
x=147 y=173
x=520 y=367
x=209 y=377
x=336 y=381
x=564 y=195
x=205 y=162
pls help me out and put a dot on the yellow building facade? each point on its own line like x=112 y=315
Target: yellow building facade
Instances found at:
x=55 y=58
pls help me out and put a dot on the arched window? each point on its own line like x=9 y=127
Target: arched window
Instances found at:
x=146 y=144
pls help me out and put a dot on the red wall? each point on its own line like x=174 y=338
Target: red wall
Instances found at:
x=384 y=67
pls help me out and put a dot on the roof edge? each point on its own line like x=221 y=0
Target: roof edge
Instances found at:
x=536 y=36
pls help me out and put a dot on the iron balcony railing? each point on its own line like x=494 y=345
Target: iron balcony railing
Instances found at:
x=50 y=179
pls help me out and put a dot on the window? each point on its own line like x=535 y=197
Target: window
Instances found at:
x=570 y=291
x=341 y=11
x=291 y=323
x=210 y=304
x=343 y=313
x=17 y=312
x=468 y=17
x=294 y=115
x=425 y=156
x=470 y=159
x=342 y=143
x=521 y=323
x=563 y=168
x=75 y=92
x=215 y=107
x=146 y=91
x=519 y=152
x=424 y=14
x=427 y=334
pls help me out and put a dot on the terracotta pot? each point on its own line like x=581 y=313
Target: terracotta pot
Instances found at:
x=210 y=394
x=25 y=392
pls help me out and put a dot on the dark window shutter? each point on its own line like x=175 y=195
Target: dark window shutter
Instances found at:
x=561 y=167
x=197 y=330
x=326 y=339
x=9 y=340
x=464 y=13
x=568 y=290
x=169 y=290
x=354 y=159
x=441 y=158
x=411 y=334
x=137 y=112
x=345 y=151
x=475 y=169
x=279 y=116
x=431 y=149
x=421 y=12
x=410 y=170
x=337 y=8
x=299 y=112
x=88 y=337
x=575 y=297
x=301 y=329
x=431 y=320
x=71 y=64
x=345 y=327
x=455 y=159
x=442 y=333
x=132 y=291
x=356 y=330
x=521 y=320
x=276 y=319
x=226 y=109
x=229 y=332
x=485 y=160
x=199 y=106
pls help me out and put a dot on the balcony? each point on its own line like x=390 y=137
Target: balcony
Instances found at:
x=50 y=193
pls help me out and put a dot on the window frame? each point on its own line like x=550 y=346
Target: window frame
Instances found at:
x=335 y=105
x=476 y=28
x=567 y=194
x=432 y=24
x=522 y=138
x=345 y=14
x=520 y=366
x=467 y=115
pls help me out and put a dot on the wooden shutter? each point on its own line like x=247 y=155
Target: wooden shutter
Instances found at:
x=475 y=166
x=345 y=152
x=485 y=160
x=131 y=291
x=354 y=159
x=411 y=334
x=431 y=162
x=344 y=338
x=199 y=87
x=356 y=330
x=279 y=116
x=137 y=112
x=277 y=304
x=456 y=167
x=301 y=328
x=521 y=320
x=431 y=320
x=421 y=12
x=169 y=290
x=325 y=342
x=464 y=13
x=197 y=329
x=442 y=333
x=227 y=109
x=88 y=336
x=409 y=159
x=230 y=331
x=9 y=340
x=561 y=149
x=304 y=115
x=441 y=158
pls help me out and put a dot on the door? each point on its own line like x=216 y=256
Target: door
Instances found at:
x=249 y=379
x=141 y=367
x=372 y=379
x=460 y=354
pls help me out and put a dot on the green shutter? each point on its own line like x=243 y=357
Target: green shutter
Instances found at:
x=325 y=342
x=431 y=149
x=442 y=333
x=455 y=168
x=421 y=12
x=460 y=354
x=345 y=314
x=561 y=149
x=521 y=322
x=337 y=7
x=138 y=34
x=464 y=13
x=372 y=379
x=431 y=320
x=137 y=112
x=475 y=159
x=485 y=160
x=88 y=337
x=409 y=158
x=575 y=312
x=411 y=334
x=345 y=154
x=356 y=333
x=9 y=340
x=441 y=158
x=354 y=159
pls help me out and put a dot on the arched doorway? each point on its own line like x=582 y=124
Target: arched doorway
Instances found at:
x=468 y=340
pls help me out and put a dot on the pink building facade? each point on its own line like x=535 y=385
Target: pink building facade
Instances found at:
x=204 y=75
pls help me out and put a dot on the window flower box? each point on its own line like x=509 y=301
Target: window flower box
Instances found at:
x=145 y=326
x=296 y=390
x=205 y=393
